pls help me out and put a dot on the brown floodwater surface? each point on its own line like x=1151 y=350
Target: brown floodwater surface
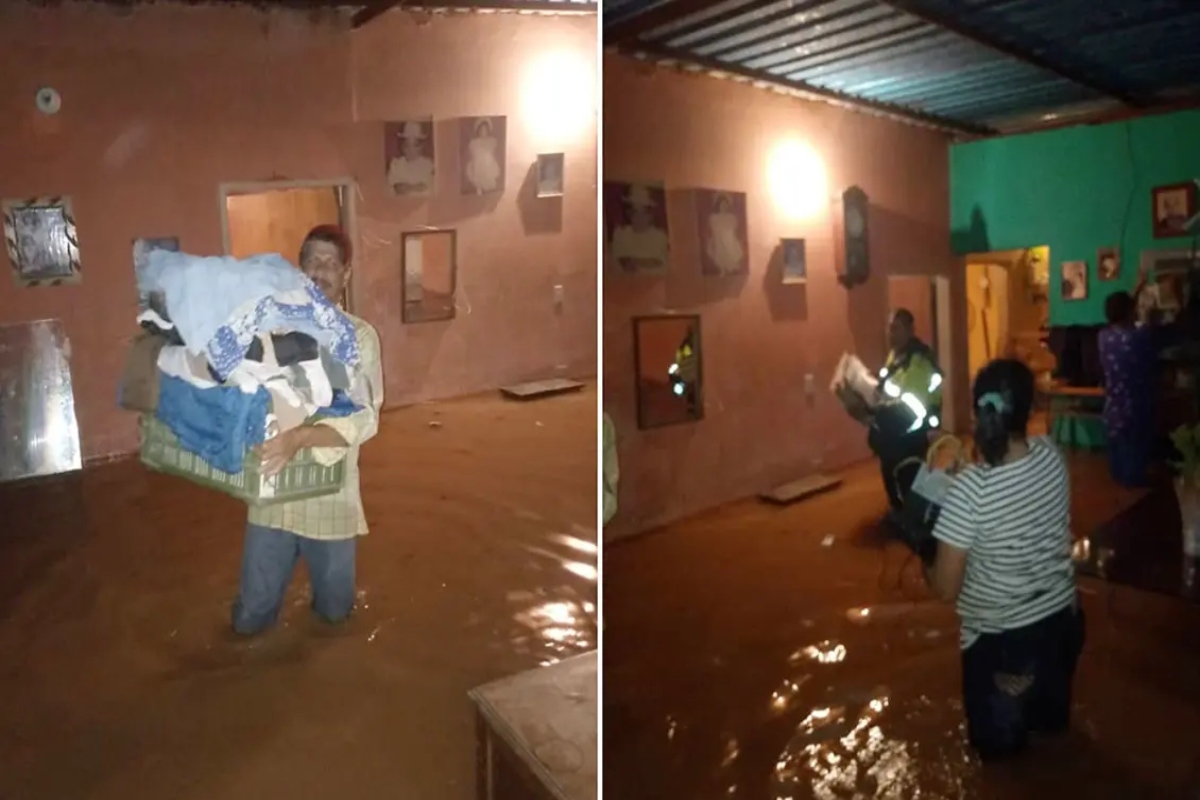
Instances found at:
x=786 y=654
x=119 y=676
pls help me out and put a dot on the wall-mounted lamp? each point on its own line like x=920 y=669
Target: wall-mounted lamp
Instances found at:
x=558 y=97
x=797 y=181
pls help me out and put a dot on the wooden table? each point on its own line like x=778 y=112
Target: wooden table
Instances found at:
x=1070 y=403
x=537 y=733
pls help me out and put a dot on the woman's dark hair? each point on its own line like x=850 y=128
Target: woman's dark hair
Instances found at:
x=1119 y=308
x=1003 y=398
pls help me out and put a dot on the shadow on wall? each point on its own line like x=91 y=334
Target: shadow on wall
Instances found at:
x=786 y=302
x=539 y=215
x=975 y=238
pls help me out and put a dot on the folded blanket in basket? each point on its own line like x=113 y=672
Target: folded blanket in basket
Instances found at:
x=219 y=424
x=305 y=311
x=220 y=304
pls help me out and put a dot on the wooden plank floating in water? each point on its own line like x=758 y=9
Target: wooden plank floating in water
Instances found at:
x=799 y=490
x=538 y=389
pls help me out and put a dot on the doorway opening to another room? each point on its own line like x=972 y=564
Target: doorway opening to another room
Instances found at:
x=274 y=217
x=1008 y=311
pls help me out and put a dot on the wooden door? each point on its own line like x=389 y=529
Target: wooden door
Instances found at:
x=277 y=221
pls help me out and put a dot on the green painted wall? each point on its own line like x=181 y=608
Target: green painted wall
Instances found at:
x=1076 y=190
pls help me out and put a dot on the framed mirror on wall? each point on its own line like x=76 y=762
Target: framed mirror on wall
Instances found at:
x=430 y=275
x=667 y=367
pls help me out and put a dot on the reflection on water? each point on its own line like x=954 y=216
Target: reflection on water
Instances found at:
x=559 y=629
x=822 y=653
x=732 y=751
x=781 y=698
x=846 y=751
x=1081 y=551
x=585 y=571
x=575 y=543
x=556 y=624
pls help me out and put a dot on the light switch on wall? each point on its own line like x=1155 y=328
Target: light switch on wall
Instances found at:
x=810 y=384
x=559 y=295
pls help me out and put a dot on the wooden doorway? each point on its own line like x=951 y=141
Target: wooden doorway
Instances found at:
x=274 y=217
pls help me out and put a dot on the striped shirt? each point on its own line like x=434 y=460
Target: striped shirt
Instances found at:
x=1014 y=522
x=339 y=515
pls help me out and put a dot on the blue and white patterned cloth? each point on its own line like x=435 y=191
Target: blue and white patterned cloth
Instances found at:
x=219 y=304
x=307 y=312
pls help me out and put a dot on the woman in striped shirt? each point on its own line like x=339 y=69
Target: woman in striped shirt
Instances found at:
x=1004 y=554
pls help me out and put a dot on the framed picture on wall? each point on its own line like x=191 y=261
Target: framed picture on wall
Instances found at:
x=1108 y=263
x=795 y=261
x=482 y=157
x=721 y=221
x=1173 y=206
x=410 y=158
x=550 y=175
x=1074 y=280
x=635 y=227
x=42 y=244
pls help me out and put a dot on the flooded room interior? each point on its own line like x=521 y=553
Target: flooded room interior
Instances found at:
x=273 y=232
x=834 y=193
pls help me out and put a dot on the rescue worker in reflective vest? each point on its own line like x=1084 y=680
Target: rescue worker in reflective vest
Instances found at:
x=682 y=373
x=910 y=406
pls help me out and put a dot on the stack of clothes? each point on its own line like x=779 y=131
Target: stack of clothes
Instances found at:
x=234 y=351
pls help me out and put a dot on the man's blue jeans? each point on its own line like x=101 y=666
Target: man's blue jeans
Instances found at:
x=268 y=559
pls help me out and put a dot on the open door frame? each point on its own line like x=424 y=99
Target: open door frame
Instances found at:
x=347 y=212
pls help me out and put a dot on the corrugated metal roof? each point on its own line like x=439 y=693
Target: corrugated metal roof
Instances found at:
x=971 y=62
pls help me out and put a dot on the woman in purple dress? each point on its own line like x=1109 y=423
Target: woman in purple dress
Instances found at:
x=1128 y=354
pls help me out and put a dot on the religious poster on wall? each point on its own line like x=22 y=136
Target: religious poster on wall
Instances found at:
x=42 y=243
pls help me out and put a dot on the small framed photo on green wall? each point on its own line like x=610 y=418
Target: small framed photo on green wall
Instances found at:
x=1173 y=206
x=1108 y=263
x=1074 y=280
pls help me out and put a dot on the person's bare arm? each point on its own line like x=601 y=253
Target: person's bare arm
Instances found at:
x=945 y=574
x=329 y=439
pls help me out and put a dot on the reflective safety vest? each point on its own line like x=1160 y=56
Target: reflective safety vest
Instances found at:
x=682 y=372
x=912 y=377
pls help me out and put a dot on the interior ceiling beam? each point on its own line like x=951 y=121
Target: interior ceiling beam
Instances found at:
x=663 y=53
x=917 y=11
x=672 y=11
x=376 y=9
x=368 y=13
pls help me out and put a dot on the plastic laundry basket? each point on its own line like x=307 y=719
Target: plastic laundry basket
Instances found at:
x=301 y=479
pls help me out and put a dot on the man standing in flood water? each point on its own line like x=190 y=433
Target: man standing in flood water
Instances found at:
x=322 y=530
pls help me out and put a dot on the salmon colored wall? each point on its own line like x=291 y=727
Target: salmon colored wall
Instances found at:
x=914 y=293
x=162 y=104
x=759 y=337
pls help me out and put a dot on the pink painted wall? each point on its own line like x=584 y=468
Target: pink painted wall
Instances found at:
x=759 y=338
x=162 y=104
